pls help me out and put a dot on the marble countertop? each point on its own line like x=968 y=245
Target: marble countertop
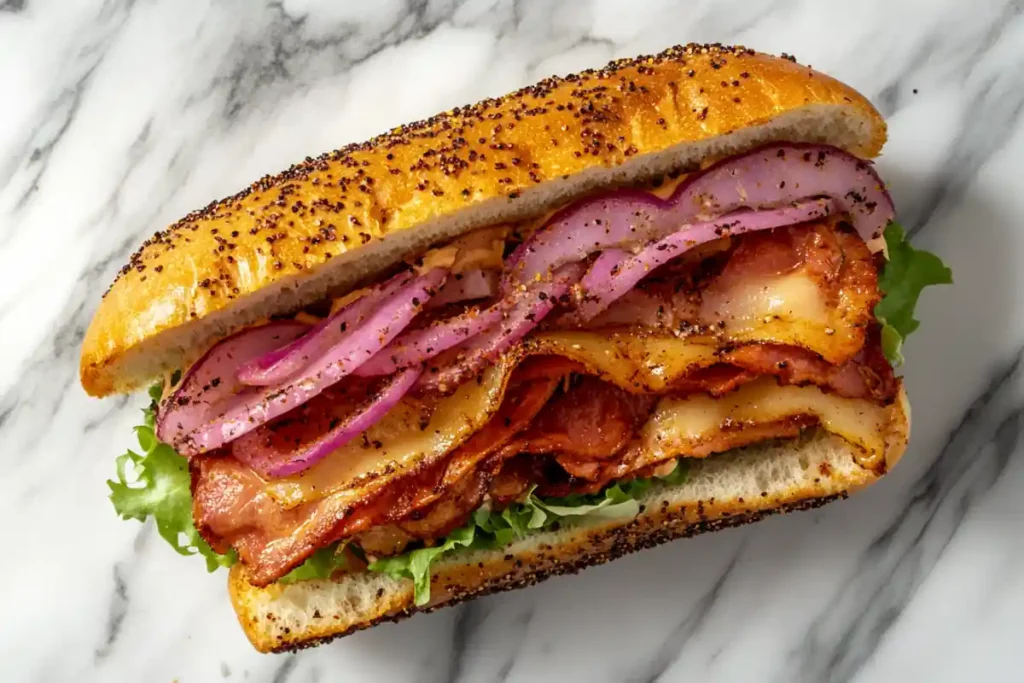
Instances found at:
x=118 y=116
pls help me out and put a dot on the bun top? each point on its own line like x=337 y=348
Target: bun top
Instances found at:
x=325 y=224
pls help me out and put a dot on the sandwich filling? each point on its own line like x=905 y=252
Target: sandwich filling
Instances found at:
x=529 y=375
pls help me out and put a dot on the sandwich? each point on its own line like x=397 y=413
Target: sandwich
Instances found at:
x=517 y=339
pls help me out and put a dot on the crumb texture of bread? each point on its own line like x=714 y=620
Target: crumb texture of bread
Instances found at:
x=329 y=223
x=721 y=491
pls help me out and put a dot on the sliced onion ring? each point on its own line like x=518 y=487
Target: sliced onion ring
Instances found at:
x=280 y=364
x=772 y=176
x=615 y=272
x=473 y=284
x=416 y=346
x=211 y=380
x=258 y=405
x=272 y=463
x=768 y=187
x=527 y=310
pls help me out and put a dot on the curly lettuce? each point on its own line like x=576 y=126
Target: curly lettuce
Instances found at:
x=156 y=483
x=320 y=565
x=906 y=274
x=489 y=529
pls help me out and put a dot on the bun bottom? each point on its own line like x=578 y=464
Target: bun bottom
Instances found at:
x=727 y=490
x=266 y=636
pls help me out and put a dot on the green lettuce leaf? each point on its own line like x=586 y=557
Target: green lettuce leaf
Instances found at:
x=679 y=475
x=156 y=483
x=319 y=565
x=415 y=565
x=616 y=504
x=495 y=529
x=907 y=272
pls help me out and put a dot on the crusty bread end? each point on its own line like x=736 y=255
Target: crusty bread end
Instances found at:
x=726 y=490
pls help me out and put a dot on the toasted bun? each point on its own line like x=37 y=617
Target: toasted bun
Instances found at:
x=721 y=491
x=324 y=225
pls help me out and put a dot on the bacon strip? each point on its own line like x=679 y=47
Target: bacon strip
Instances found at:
x=559 y=475
x=592 y=420
x=581 y=439
x=232 y=509
x=598 y=474
x=868 y=375
x=588 y=427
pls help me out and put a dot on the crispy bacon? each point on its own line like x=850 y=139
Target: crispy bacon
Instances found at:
x=587 y=428
x=592 y=420
x=868 y=375
x=522 y=403
x=232 y=509
x=442 y=498
x=518 y=473
x=717 y=379
x=727 y=438
x=571 y=437
x=582 y=477
x=449 y=511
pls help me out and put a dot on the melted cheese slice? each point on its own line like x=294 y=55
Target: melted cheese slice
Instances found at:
x=415 y=434
x=636 y=362
x=786 y=309
x=678 y=425
x=410 y=435
x=824 y=303
x=756 y=304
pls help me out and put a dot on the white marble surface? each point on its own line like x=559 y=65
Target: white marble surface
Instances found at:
x=116 y=117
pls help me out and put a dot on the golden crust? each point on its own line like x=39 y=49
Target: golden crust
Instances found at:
x=283 y=228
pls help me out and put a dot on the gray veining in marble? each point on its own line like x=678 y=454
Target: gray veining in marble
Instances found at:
x=117 y=117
